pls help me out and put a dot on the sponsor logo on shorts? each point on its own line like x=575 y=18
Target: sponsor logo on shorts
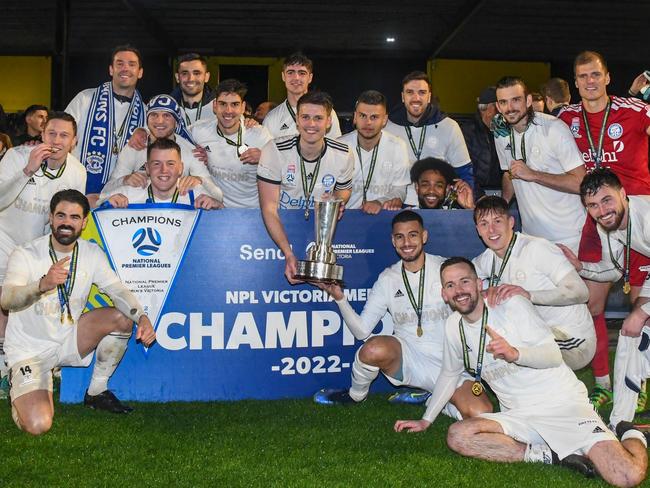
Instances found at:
x=615 y=131
x=146 y=241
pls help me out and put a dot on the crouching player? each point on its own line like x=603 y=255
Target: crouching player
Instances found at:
x=46 y=289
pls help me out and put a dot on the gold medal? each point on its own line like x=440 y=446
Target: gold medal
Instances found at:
x=115 y=149
x=477 y=388
x=626 y=287
x=420 y=331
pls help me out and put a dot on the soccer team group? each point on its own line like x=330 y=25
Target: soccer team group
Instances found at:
x=518 y=318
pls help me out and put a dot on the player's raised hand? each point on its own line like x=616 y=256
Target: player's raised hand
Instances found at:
x=499 y=347
x=570 y=255
x=138 y=179
x=505 y=292
x=39 y=154
x=186 y=183
x=55 y=276
x=333 y=289
x=118 y=201
x=138 y=139
x=201 y=154
x=411 y=425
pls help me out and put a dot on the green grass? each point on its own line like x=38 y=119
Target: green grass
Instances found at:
x=251 y=443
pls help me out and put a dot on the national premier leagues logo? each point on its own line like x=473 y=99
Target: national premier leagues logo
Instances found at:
x=146 y=241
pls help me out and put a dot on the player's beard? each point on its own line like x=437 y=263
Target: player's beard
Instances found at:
x=467 y=307
x=65 y=239
x=413 y=257
x=620 y=214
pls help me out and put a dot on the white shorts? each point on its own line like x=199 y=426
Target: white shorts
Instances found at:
x=569 y=429
x=419 y=369
x=36 y=373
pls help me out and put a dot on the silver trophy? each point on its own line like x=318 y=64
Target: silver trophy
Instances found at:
x=320 y=264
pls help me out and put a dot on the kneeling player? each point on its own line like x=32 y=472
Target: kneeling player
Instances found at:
x=545 y=413
x=410 y=291
x=46 y=289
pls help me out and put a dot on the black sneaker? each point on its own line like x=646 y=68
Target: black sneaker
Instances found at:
x=331 y=396
x=106 y=400
x=576 y=462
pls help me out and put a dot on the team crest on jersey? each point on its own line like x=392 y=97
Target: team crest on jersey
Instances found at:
x=520 y=275
x=290 y=177
x=615 y=131
x=328 y=181
x=575 y=127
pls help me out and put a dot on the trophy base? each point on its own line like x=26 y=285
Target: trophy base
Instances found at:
x=319 y=272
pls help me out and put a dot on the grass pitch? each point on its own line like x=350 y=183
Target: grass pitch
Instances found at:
x=252 y=443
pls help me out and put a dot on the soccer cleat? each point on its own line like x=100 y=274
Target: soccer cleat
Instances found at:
x=600 y=397
x=4 y=387
x=106 y=400
x=330 y=396
x=409 y=395
x=623 y=426
x=576 y=462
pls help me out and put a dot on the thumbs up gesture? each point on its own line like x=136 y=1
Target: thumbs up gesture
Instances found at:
x=499 y=347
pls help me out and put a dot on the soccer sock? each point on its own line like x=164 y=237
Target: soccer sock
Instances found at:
x=362 y=377
x=600 y=362
x=635 y=434
x=538 y=453
x=108 y=355
x=604 y=382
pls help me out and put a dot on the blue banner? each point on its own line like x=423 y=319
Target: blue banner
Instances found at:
x=233 y=328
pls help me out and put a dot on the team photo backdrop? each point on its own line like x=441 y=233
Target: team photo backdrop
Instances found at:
x=231 y=326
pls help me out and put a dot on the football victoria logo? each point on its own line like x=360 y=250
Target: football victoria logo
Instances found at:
x=146 y=241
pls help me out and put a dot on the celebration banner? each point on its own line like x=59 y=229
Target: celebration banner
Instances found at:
x=233 y=328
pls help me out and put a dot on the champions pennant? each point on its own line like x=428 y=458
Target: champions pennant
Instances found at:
x=146 y=244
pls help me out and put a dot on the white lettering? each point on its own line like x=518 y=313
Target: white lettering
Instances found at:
x=198 y=331
x=293 y=332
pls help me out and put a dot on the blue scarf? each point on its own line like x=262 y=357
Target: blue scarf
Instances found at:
x=166 y=103
x=102 y=140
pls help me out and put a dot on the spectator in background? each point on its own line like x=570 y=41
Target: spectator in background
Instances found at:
x=556 y=95
x=538 y=101
x=263 y=109
x=438 y=187
x=480 y=144
x=5 y=144
x=640 y=87
x=34 y=117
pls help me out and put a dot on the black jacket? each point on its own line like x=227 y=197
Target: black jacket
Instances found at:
x=480 y=144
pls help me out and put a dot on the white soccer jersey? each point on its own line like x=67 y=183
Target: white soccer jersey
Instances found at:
x=37 y=329
x=25 y=201
x=140 y=195
x=79 y=107
x=517 y=387
x=443 y=140
x=280 y=164
x=391 y=172
x=132 y=160
x=536 y=264
x=198 y=113
x=389 y=294
x=554 y=215
x=280 y=122
x=236 y=179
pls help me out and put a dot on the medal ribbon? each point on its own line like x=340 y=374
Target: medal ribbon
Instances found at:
x=513 y=149
x=198 y=112
x=290 y=109
x=417 y=152
x=625 y=269
x=481 y=346
x=416 y=306
x=65 y=290
x=371 y=170
x=495 y=279
x=308 y=187
x=152 y=199
x=597 y=156
x=53 y=176
x=230 y=142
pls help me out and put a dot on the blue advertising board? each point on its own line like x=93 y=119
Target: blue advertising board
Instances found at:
x=233 y=328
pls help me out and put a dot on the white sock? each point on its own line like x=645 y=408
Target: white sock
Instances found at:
x=604 y=382
x=635 y=434
x=362 y=377
x=107 y=356
x=538 y=453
